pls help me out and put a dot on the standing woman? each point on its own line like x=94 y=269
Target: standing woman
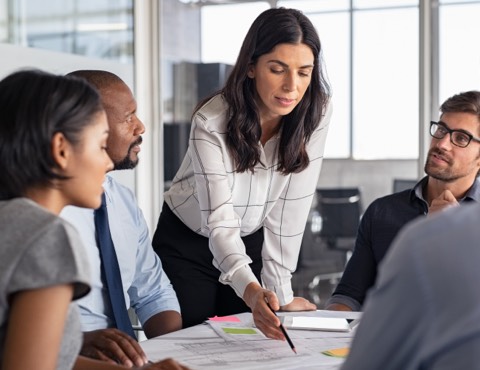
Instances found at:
x=53 y=135
x=243 y=192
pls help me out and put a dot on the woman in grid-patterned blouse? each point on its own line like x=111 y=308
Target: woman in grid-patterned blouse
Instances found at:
x=236 y=211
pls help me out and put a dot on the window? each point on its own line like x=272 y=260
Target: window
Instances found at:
x=385 y=83
x=459 y=61
x=371 y=57
x=95 y=28
x=224 y=28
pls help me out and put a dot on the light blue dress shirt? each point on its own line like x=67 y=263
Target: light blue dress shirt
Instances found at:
x=146 y=287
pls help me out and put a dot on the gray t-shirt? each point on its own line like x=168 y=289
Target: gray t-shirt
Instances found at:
x=424 y=310
x=39 y=250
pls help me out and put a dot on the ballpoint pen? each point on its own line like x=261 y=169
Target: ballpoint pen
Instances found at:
x=290 y=343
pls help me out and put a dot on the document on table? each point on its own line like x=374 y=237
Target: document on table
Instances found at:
x=238 y=345
x=252 y=355
x=236 y=331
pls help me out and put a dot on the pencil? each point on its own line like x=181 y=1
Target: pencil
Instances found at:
x=290 y=343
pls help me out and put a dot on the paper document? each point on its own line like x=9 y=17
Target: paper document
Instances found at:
x=235 y=331
x=235 y=344
x=265 y=354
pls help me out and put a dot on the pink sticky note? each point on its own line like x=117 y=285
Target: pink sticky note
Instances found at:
x=225 y=318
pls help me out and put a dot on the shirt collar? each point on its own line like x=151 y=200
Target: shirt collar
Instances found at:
x=473 y=194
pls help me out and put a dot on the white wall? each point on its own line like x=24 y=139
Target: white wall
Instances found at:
x=373 y=177
x=14 y=57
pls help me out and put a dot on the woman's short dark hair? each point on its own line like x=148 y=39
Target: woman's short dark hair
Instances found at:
x=273 y=27
x=36 y=105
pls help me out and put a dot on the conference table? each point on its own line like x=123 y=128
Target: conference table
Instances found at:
x=234 y=343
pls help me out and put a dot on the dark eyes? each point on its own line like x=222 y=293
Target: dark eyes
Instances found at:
x=280 y=71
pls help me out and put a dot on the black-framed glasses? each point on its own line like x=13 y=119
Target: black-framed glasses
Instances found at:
x=460 y=138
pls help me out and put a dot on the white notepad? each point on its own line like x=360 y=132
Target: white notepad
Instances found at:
x=318 y=323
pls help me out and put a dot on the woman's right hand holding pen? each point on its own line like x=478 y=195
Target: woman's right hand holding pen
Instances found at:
x=256 y=298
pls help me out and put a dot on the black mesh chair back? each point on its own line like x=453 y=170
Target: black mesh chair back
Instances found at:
x=340 y=211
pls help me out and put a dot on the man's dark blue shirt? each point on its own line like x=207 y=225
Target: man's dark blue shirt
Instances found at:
x=380 y=224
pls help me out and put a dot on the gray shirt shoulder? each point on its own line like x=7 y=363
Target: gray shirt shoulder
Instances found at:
x=40 y=250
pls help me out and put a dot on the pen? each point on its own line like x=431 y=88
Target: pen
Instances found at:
x=290 y=343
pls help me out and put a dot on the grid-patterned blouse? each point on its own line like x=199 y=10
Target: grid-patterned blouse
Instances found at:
x=223 y=205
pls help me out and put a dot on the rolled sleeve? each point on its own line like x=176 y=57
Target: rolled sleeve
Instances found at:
x=151 y=291
x=345 y=300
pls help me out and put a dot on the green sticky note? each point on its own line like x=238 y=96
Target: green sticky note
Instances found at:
x=239 y=331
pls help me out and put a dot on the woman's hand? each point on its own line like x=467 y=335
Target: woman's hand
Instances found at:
x=256 y=298
x=299 y=304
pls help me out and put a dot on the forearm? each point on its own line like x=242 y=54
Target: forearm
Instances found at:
x=85 y=363
x=162 y=323
x=338 y=307
x=340 y=302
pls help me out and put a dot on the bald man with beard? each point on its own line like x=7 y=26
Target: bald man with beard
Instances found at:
x=146 y=287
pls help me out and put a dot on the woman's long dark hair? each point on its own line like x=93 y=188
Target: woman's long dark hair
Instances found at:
x=272 y=27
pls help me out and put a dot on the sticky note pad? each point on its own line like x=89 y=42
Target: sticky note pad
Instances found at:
x=225 y=318
x=239 y=331
x=337 y=352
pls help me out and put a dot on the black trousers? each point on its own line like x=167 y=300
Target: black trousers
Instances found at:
x=187 y=260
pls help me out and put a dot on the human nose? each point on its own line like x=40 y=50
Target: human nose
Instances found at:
x=139 y=126
x=109 y=164
x=445 y=142
x=290 y=82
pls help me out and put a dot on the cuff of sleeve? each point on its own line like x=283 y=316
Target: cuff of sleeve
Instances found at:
x=346 y=300
x=284 y=292
x=240 y=279
x=146 y=312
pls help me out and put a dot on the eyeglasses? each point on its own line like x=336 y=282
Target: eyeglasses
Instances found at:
x=460 y=138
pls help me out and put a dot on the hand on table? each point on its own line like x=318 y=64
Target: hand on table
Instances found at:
x=167 y=364
x=445 y=200
x=113 y=346
x=299 y=304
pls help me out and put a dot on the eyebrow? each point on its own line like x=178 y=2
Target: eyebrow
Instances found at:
x=458 y=130
x=286 y=65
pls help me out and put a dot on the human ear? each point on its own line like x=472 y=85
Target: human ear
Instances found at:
x=61 y=150
x=251 y=71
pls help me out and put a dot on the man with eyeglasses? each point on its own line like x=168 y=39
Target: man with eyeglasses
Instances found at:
x=452 y=167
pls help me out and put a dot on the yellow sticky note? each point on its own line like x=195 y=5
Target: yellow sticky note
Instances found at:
x=337 y=352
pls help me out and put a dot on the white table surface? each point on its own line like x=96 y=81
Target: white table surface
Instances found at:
x=200 y=347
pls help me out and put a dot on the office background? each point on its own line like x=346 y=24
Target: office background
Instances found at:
x=390 y=64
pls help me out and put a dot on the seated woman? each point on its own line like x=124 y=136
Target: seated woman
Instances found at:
x=53 y=134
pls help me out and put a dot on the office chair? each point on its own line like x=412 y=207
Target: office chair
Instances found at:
x=403 y=184
x=338 y=212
